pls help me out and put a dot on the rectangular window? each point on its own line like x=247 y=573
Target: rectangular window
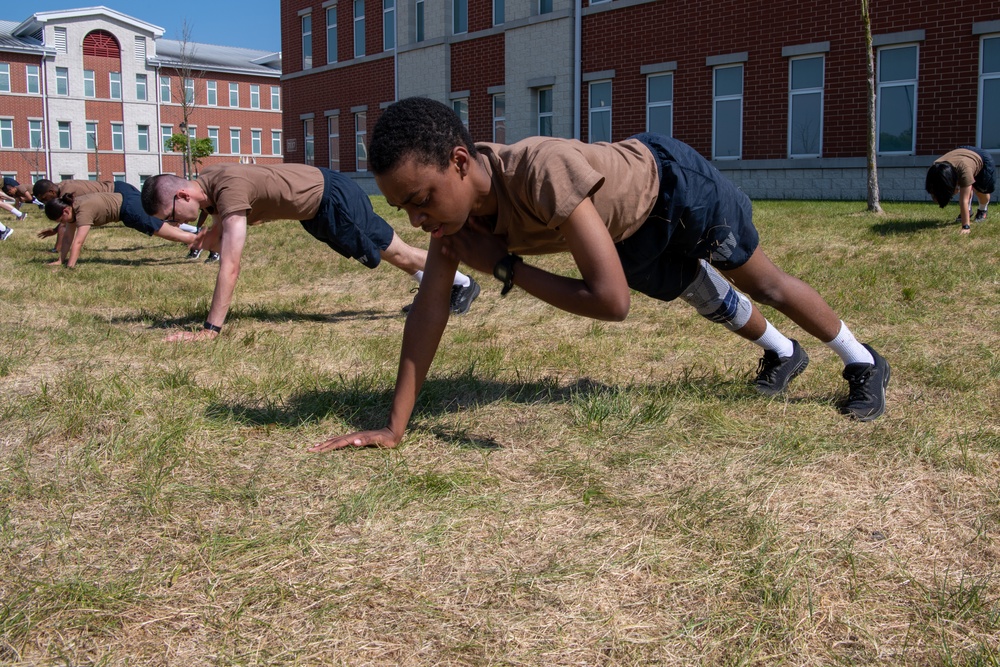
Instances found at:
x=727 y=112
x=4 y=78
x=33 y=78
x=545 y=6
x=331 y=34
x=115 y=79
x=805 y=107
x=63 y=132
x=989 y=93
x=189 y=92
x=90 y=132
x=275 y=97
x=234 y=141
x=461 y=107
x=166 y=131
x=419 y=20
x=62 y=81
x=600 y=111
x=117 y=137
x=6 y=133
x=500 y=119
x=213 y=136
x=141 y=93
x=254 y=96
x=212 y=93
x=165 y=89
x=234 y=94
x=544 y=111
x=89 y=87
x=499 y=10
x=192 y=132
x=660 y=104
x=143 y=135
x=388 y=25
x=896 y=115
x=34 y=134
x=459 y=16
x=275 y=142
x=359 y=28
x=255 y=142
x=361 y=141
x=118 y=178
x=333 y=129
x=60 y=40
x=309 y=141
x=307 y=41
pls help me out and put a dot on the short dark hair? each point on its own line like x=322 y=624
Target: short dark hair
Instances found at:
x=417 y=127
x=42 y=186
x=10 y=183
x=155 y=191
x=940 y=182
x=54 y=207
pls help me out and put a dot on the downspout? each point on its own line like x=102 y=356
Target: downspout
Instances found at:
x=395 y=53
x=46 y=138
x=159 y=119
x=577 y=66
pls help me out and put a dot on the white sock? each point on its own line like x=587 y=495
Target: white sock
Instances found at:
x=418 y=276
x=3 y=228
x=775 y=341
x=16 y=212
x=461 y=279
x=849 y=349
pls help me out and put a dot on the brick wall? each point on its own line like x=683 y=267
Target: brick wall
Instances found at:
x=475 y=66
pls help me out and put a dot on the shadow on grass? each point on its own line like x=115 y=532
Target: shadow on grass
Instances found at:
x=260 y=315
x=898 y=227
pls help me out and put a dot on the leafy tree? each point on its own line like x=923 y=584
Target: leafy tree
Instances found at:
x=196 y=150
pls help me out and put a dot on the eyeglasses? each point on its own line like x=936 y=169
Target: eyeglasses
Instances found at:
x=173 y=212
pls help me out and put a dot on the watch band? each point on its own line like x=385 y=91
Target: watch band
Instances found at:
x=504 y=272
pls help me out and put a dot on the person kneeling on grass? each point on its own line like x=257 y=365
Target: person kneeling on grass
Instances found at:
x=81 y=213
x=647 y=213
x=9 y=200
x=963 y=171
x=330 y=206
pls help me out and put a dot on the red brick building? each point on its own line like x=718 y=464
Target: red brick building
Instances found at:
x=93 y=93
x=774 y=94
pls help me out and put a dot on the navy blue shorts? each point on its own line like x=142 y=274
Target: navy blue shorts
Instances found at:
x=132 y=214
x=699 y=214
x=347 y=223
x=986 y=179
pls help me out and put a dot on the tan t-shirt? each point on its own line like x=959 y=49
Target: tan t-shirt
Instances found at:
x=284 y=191
x=97 y=209
x=540 y=181
x=966 y=163
x=80 y=188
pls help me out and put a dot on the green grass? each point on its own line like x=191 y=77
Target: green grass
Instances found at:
x=569 y=491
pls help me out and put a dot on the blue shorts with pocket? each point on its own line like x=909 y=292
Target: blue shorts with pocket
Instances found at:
x=986 y=179
x=699 y=214
x=132 y=214
x=347 y=223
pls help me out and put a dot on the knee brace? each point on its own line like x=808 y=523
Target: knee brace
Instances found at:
x=715 y=299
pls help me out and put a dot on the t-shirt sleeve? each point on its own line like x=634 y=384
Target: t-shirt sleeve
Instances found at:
x=232 y=197
x=557 y=179
x=85 y=213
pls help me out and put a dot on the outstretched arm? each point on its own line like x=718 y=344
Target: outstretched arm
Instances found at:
x=79 y=235
x=171 y=233
x=964 y=201
x=421 y=335
x=234 y=234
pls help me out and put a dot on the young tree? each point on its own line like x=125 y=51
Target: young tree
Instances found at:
x=186 y=95
x=195 y=150
x=873 y=192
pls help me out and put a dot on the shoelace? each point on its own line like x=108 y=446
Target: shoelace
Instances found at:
x=857 y=385
x=767 y=366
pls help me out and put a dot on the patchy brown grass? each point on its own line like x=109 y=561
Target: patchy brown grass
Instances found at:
x=569 y=493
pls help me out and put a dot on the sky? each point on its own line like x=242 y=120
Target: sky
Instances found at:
x=252 y=24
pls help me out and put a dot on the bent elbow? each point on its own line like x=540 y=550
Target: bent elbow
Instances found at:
x=618 y=309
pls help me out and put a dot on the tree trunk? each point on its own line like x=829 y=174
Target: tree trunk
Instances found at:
x=873 y=194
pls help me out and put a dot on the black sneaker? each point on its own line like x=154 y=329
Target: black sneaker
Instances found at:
x=462 y=297
x=980 y=216
x=194 y=254
x=866 y=399
x=10 y=230
x=774 y=372
x=212 y=257
x=406 y=308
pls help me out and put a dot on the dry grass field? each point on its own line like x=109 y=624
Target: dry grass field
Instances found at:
x=570 y=492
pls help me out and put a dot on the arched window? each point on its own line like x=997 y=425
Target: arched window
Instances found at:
x=101 y=43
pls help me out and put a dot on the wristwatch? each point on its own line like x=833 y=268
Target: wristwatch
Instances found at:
x=504 y=272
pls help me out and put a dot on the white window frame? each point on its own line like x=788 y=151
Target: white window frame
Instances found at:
x=896 y=83
x=541 y=115
x=4 y=77
x=166 y=131
x=545 y=6
x=331 y=34
x=90 y=135
x=6 y=133
x=142 y=134
x=165 y=89
x=213 y=137
x=36 y=135
x=64 y=130
x=460 y=106
x=660 y=104
x=499 y=12
x=62 y=77
x=89 y=83
x=32 y=73
x=308 y=141
x=459 y=17
x=117 y=136
x=388 y=25
x=333 y=139
x=189 y=92
x=596 y=110
x=499 y=118
x=276 y=97
x=359 y=28
x=234 y=95
x=419 y=23
x=992 y=79
x=255 y=142
x=806 y=91
x=361 y=141
x=141 y=87
x=307 y=45
x=212 y=93
x=275 y=142
x=115 y=85
x=730 y=97
x=234 y=141
x=254 y=95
